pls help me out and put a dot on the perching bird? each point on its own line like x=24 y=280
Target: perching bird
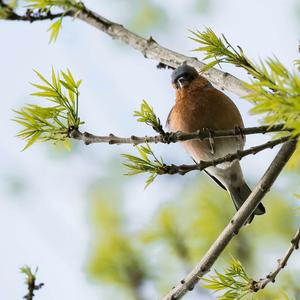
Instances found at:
x=199 y=106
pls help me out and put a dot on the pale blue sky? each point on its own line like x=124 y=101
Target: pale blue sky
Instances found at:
x=45 y=222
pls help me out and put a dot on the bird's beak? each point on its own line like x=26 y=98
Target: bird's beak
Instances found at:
x=182 y=82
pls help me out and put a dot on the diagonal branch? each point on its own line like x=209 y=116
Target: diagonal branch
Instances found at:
x=260 y=284
x=148 y=47
x=171 y=137
x=151 y=49
x=262 y=187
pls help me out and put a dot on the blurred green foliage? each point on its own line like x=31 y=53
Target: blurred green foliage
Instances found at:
x=117 y=257
x=296 y=12
x=149 y=15
x=180 y=232
x=146 y=14
x=51 y=123
x=202 y=6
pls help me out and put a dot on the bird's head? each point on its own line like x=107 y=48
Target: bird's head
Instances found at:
x=183 y=76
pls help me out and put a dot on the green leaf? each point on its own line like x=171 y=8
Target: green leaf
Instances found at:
x=235 y=283
x=146 y=163
x=54 y=29
x=67 y=144
x=31 y=141
x=147 y=115
x=67 y=86
x=46 y=94
x=45 y=123
x=42 y=78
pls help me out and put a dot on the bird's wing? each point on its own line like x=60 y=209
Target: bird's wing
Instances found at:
x=217 y=181
x=168 y=119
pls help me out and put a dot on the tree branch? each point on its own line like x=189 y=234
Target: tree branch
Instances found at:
x=183 y=169
x=262 y=187
x=32 y=16
x=166 y=57
x=171 y=137
x=152 y=50
x=260 y=284
x=30 y=281
x=148 y=47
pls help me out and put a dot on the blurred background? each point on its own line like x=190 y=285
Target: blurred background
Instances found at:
x=95 y=233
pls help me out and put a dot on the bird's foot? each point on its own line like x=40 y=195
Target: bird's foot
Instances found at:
x=239 y=133
x=169 y=137
x=210 y=139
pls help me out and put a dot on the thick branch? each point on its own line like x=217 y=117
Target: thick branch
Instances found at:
x=171 y=137
x=260 y=284
x=148 y=47
x=151 y=49
x=263 y=186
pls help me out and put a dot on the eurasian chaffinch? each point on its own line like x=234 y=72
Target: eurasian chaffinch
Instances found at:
x=199 y=106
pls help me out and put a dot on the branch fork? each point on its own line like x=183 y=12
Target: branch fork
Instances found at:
x=282 y=262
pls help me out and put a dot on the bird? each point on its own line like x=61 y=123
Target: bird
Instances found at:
x=200 y=106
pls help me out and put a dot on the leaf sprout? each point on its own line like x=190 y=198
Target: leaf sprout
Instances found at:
x=51 y=123
x=146 y=115
x=147 y=162
x=235 y=282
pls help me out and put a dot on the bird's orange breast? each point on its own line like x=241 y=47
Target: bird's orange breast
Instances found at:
x=200 y=106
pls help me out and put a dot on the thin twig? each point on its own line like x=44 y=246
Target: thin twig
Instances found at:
x=152 y=50
x=30 y=281
x=148 y=47
x=32 y=16
x=183 y=169
x=260 y=284
x=171 y=137
x=236 y=223
x=166 y=57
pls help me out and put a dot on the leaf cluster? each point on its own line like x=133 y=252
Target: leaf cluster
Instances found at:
x=55 y=29
x=6 y=9
x=274 y=89
x=51 y=123
x=234 y=282
x=170 y=231
x=147 y=162
x=146 y=115
x=45 y=6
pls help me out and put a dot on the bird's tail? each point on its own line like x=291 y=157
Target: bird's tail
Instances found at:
x=239 y=195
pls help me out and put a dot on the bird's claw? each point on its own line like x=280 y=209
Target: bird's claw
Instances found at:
x=239 y=133
x=168 y=137
x=210 y=139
